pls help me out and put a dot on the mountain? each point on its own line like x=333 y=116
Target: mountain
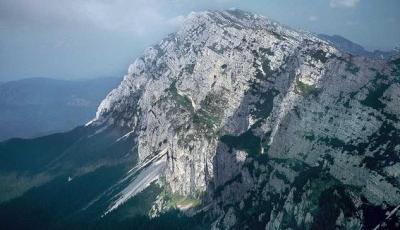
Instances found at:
x=346 y=45
x=38 y=106
x=232 y=122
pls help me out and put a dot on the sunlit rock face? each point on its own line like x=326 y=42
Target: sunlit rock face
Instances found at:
x=267 y=126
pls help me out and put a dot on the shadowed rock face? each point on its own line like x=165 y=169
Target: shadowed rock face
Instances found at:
x=258 y=126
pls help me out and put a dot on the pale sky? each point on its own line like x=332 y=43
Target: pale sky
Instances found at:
x=72 y=39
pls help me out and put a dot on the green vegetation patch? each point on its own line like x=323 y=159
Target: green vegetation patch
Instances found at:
x=309 y=136
x=305 y=89
x=387 y=136
x=60 y=202
x=172 y=220
x=181 y=100
x=262 y=56
x=189 y=68
x=333 y=142
x=327 y=195
x=352 y=68
x=372 y=99
x=266 y=68
x=219 y=50
x=31 y=155
x=308 y=173
x=267 y=51
x=208 y=118
x=175 y=200
x=320 y=55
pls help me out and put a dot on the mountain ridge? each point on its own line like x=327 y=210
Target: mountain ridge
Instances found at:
x=239 y=122
x=37 y=106
x=306 y=84
x=353 y=48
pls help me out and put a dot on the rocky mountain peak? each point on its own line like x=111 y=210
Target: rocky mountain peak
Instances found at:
x=235 y=108
x=208 y=31
x=232 y=122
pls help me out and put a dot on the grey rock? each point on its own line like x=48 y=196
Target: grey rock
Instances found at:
x=264 y=119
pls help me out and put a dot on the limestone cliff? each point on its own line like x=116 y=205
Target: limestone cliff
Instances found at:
x=259 y=125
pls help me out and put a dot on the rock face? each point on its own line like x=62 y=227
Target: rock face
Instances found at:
x=267 y=126
x=240 y=123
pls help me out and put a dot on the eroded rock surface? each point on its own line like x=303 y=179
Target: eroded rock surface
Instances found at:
x=267 y=126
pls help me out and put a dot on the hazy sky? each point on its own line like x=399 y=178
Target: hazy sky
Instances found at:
x=97 y=38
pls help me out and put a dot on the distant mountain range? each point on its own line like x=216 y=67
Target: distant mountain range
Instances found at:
x=39 y=106
x=350 y=47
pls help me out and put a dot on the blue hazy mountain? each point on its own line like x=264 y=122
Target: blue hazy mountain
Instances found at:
x=39 y=106
x=353 y=48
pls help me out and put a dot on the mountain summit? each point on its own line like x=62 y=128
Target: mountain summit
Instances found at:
x=237 y=122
